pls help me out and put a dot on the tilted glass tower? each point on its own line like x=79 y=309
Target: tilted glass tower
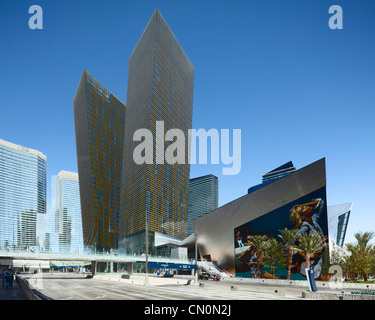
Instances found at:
x=160 y=88
x=99 y=125
x=22 y=194
x=338 y=219
x=203 y=198
x=67 y=208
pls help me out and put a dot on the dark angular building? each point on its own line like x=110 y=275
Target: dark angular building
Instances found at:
x=160 y=88
x=222 y=235
x=99 y=125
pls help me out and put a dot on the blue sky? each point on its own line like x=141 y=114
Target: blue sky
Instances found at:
x=274 y=69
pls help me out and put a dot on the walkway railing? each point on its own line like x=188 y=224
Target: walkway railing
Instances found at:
x=30 y=294
x=99 y=257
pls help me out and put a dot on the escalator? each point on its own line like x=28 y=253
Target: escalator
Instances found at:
x=212 y=269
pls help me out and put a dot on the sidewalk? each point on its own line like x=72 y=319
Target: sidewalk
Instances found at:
x=139 y=279
x=14 y=293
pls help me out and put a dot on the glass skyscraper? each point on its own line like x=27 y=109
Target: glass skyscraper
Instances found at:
x=279 y=172
x=22 y=194
x=274 y=175
x=66 y=206
x=203 y=198
x=160 y=88
x=99 y=125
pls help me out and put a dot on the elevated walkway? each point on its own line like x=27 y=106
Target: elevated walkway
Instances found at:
x=99 y=257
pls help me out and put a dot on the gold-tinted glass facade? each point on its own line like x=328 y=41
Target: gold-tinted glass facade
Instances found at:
x=160 y=88
x=99 y=122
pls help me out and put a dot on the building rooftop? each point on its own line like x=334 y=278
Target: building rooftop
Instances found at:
x=22 y=149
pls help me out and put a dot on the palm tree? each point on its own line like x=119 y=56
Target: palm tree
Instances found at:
x=288 y=237
x=258 y=243
x=351 y=263
x=309 y=244
x=361 y=253
x=363 y=240
x=273 y=255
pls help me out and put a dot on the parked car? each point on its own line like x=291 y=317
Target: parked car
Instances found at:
x=204 y=276
x=215 y=277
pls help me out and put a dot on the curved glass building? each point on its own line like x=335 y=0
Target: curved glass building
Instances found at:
x=22 y=194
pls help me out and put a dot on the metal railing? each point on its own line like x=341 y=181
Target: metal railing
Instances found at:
x=100 y=257
x=30 y=293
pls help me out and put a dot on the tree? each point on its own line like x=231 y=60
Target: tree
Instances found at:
x=258 y=243
x=273 y=255
x=337 y=254
x=351 y=261
x=361 y=255
x=310 y=244
x=372 y=260
x=288 y=237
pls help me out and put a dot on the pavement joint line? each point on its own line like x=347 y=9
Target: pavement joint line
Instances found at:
x=224 y=293
x=137 y=294
x=167 y=289
x=63 y=288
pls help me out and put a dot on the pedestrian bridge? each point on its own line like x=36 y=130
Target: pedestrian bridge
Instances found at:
x=97 y=257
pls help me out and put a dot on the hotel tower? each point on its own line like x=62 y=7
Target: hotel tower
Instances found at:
x=160 y=88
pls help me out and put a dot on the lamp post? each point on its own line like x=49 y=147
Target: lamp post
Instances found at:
x=196 y=260
x=146 y=278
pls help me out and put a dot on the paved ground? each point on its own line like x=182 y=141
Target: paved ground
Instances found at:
x=160 y=296
x=76 y=287
x=14 y=293
x=71 y=286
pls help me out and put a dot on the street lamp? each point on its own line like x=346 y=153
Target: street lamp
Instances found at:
x=196 y=259
x=146 y=278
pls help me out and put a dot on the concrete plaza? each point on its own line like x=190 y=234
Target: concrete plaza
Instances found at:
x=71 y=286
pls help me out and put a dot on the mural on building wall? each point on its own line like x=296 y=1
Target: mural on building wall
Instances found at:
x=260 y=252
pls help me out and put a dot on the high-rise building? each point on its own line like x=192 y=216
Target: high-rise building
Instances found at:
x=279 y=172
x=67 y=209
x=273 y=175
x=338 y=219
x=160 y=88
x=203 y=198
x=99 y=124
x=22 y=194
